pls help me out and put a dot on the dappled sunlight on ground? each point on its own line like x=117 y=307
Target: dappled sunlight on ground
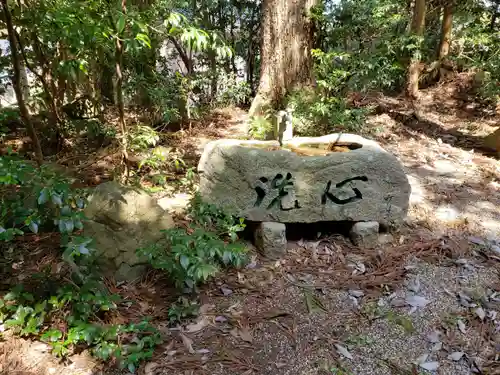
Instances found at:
x=25 y=357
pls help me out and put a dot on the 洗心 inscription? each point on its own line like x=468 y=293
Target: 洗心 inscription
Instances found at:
x=250 y=180
x=284 y=194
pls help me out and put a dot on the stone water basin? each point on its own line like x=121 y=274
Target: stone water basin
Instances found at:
x=337 y=177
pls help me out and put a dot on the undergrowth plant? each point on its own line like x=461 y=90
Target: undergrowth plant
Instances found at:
x=182 y=309
x=193 y=255
x=73 y=318
x=211 y=218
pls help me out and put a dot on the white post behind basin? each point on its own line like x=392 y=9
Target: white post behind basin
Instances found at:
x=260 y=182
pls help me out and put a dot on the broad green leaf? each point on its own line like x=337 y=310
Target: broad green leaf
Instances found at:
x=43 y=197
x=120 y=24
x=184 y=260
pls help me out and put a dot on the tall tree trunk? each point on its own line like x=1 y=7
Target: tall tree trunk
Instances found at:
x=119 y=92
x=105 y=81
x=286 y=42
x=23 y=78
x=444 y=44
x=16 y=82
x=417 y=29
x=250 y=63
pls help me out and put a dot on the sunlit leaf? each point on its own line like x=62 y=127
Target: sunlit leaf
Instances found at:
x=144 y=39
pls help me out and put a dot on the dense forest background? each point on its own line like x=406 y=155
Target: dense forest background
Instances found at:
x=171 y=61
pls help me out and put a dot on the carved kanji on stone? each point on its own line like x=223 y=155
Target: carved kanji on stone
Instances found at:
x=283 y=187
x=327 y=195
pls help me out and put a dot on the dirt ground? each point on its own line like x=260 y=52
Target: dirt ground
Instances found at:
x=425 y=301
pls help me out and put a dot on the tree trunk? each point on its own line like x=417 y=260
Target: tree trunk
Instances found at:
x=16 y=82
x=286 y=42
x=23 y=78
x=119 y=92
x=417 y=29
x=250 y=63
x=444 y=44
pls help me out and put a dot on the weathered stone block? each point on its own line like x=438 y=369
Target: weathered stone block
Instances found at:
x=120 y=220
x=270 y=239
x=261 y=182
x=365 y=234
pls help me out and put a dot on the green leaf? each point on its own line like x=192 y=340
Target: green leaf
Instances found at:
x=52 y=335
x=144 y=39
x=131 y=367
x=33 y=227
x=43 y=197
x=28 y=297
x=56 y=199
x=184 y=260
x=11 y=296
x=120 y=24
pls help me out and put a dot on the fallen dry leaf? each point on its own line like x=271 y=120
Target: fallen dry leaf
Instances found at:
x=421 y=359
x=461 y=326
x=429 y=366
x=456 y=356
x=150 y=367
x=343 y=351
x=417 y=301
x=280 y=364
x=220 y=319
x=356 y=293
x=480 y=313
x=198 y=326
x=434 y=337
x=414 y=285
x=188 y=343
x=205 y=308
x=245 y=334
x=437 y=347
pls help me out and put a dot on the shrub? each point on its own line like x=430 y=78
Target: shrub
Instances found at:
x=142 y=137
x=213 y=219
x=261 y=127
x=194 y=255
x=9 y=118
x=317 y=114
x=32 y=198
x=35 y=199
x=182 y=309
x=231 y=91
